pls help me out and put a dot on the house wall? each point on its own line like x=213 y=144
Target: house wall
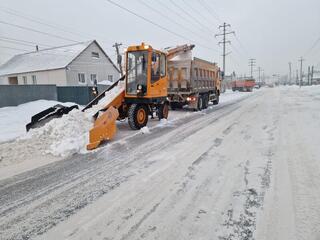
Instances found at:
x=88 y=65
x=57 y=77
x=3 y=80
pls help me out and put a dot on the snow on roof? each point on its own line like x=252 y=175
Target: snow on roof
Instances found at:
x=46 y=59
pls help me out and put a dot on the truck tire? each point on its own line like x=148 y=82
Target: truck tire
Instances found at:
x=138 y=116
x=163 y=111
x=200 y=103
x=205 y=101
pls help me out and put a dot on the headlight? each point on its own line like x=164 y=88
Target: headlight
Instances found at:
x=139 y=87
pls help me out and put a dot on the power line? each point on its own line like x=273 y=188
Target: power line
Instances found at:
x=17 y=43
x=211 y=11
x=177 y=13
x=32 y=19
x=189 y=15
x=51 y=25
x=312 y=47
x=156 y=24
x=24 y=41
x=171 y=19
x=241 y=45
x=12 y=48
x=195 y=10
x=36 y=31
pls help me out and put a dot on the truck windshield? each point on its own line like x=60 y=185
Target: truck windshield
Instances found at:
x=136 y=70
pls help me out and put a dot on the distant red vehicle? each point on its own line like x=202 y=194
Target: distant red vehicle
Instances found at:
x=243 y=85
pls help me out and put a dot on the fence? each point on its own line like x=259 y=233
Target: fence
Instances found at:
x=13 y=95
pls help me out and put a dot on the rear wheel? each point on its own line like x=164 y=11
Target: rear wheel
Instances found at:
x=205 y=101
x=163 y=111
x=200 y=103
x=137 y=116
x=216 y=100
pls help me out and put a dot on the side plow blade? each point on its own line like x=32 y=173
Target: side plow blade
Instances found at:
x=104 y=128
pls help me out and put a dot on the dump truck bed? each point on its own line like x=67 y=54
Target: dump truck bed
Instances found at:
x=191 y=76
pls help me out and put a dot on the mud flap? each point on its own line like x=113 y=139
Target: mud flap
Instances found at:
x=104 y=128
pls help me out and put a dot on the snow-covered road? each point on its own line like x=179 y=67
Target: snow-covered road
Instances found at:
x=245 y=169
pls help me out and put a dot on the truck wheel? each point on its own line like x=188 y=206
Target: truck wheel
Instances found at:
x=216 y=100
x=233 y=89
x=137 y=116
x=163 y=111
x=200 y=103
x=205 y=101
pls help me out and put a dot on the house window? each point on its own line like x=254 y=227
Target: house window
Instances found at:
x=34 y=79
x=110 y=78
x=93 y=78
x=24 y=78
x=95 y=55
x=81 y=78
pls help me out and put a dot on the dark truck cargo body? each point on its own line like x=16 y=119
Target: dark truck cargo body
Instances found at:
x=193 y=82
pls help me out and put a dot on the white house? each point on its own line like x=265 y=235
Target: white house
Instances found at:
x=78 y=64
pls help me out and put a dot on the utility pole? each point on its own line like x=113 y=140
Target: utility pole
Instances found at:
x=312 y=74
x=119 y=57
x=259 y=70
x=297 y=77
x=308 y=75
x=301 y=75
x=290 y=73
x=252 y=63
x=224 y=41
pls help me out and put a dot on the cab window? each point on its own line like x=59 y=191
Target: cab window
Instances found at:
x=163 y=65
x=155 y=67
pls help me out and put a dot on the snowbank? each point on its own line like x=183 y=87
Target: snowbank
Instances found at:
x=61 y=136
x=14 y=119
x=70 y=134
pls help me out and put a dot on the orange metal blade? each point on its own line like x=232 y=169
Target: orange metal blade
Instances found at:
x=104 y=128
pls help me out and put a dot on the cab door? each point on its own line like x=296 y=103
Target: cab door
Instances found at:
x=158 y=78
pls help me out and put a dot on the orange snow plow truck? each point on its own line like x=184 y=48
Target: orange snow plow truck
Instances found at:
x=153 y=80
x=146 y=90
x=144 y=93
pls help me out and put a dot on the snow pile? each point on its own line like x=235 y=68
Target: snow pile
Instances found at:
x=70 y=134
x=63 y=136
x=108 y=98
x=60 y=137
x=145 y=130
x=13 y=119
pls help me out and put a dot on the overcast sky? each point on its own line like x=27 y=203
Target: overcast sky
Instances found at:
x=273 y=32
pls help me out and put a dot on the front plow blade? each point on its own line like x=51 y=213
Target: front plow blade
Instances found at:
x=104 y=128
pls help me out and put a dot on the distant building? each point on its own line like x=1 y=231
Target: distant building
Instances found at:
x=78 y=64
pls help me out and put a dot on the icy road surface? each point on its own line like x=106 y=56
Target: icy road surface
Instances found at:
x=246 y=169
